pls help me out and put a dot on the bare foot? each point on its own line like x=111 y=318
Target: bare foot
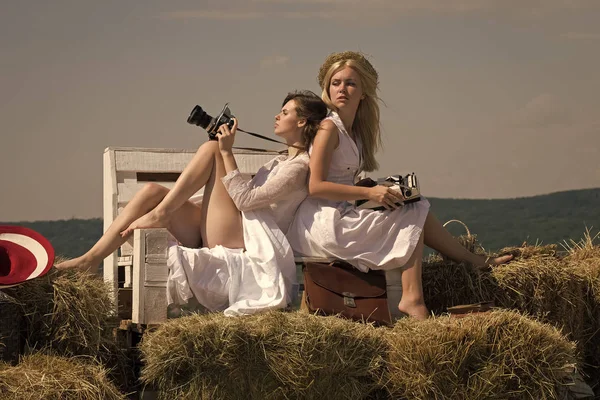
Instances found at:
x=414 y=309
x=484 y=262
x=149 y=220
x=79 y=263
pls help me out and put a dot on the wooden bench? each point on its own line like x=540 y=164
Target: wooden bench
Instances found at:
x=138 y=271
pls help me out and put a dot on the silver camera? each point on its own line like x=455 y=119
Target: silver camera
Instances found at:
x=407 y=185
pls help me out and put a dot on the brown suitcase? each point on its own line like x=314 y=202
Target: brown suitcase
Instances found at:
x=339 y=288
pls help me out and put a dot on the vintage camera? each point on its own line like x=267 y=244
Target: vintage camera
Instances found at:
x=199 y=117
x=407 y=185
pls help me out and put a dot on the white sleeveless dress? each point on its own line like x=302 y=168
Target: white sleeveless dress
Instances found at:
x=368 y=239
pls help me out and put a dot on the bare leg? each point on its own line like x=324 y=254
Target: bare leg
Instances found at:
x=413 y=302
x=195 y=175
x=183 y=219
x=438 y=238
x=220 y=222
x=143 y=201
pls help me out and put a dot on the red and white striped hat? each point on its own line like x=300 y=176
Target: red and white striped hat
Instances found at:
x=24 y=255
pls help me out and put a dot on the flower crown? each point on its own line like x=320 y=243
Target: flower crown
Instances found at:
x=345 y=55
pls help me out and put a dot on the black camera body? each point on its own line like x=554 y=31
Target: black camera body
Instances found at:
x=199 y=117
x=407 y=185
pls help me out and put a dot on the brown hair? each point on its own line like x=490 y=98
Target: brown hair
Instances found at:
x=310 y=107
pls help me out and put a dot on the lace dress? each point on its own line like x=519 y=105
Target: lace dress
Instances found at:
x=368 y=239
x=239 y=281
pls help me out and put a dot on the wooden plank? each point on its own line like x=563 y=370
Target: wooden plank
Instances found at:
x=156 y=273
x=110 y=271
x=128 y=189
x=157 y=243
x=153 y=161
x=127 y=247
x=128 y=276
x=125 y=260
x=155 y=305
x=139 y=249
x=145 y=161
x=155 y=284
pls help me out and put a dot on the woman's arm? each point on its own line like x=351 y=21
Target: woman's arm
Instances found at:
x=325 y=143
x=226 y=138
x=289 y=179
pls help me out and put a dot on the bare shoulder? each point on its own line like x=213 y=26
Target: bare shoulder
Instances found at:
x=328 y=125
x=328 y=133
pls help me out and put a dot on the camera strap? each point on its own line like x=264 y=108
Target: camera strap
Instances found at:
x=265 y=138
x=260 y=150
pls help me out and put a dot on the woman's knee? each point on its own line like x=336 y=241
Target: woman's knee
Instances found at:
x=210 y=146
x=154 y=191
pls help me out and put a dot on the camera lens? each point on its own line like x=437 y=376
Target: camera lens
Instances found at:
x=199 y=117
x=407 y=193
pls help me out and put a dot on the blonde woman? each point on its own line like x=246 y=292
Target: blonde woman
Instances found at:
x=233 y=254
x=327 y=224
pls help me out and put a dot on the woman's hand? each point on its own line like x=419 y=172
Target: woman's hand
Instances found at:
x=226 y=137
x=386 y=196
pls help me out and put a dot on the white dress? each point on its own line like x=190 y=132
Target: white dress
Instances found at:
x=368 y=239
x=239 y=281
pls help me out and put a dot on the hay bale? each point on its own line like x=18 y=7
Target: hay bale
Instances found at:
x=71 y=313
x=297 y=355
x=67 y=311
x=313 y=356
x=47 y=377
x=584 y=258
x=266 y=356
x=537 y=282
x=494 y=355
x=11 y=318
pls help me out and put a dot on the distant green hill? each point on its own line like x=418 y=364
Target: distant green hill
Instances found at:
x=549 y=218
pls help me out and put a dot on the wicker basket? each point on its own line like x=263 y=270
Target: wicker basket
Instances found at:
x=468 y=241
x=11 y=318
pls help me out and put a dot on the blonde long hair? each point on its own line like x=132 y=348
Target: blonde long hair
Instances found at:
x=366 y=123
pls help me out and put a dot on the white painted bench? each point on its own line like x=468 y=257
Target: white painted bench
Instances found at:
x=138 y=275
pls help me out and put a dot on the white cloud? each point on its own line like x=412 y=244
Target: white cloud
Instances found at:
x=543 y=111
x=274 y=61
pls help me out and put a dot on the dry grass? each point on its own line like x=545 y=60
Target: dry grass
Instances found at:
x=47 y=377
x=495 y=355
x=66 y=310
x=71 y=313
x=537 y=282
x=294 y=355
x=301 y=356
x=10 y=328
x=560 y=287
x=584 y=258
x=267 y=356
